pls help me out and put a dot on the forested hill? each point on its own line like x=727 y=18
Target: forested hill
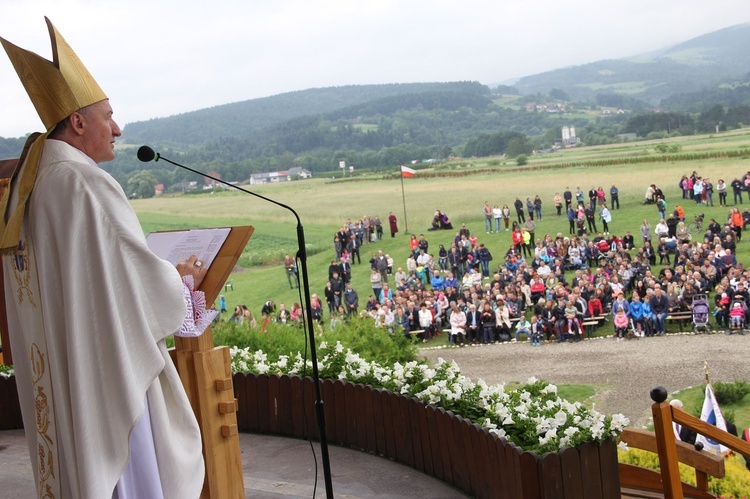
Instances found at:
x=243 y=118
x=696 y=86
x=702 y=62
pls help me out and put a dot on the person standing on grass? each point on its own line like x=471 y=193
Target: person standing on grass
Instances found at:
x=518 y=204
x=538 y=207
x=592 y=197
x=497 y=214
x=291 y=271
x=591 y=217
x=487 y=211
x=558 y=204
x=351 y=300
x=698 y=191
x=721 y=188
x=601 y=196
x=579 y=196
x=606 y=217
x=708 y=192
x=568 y=197
x=571 y=220
x=737 y=187
x=506 y=216
x=614 y=196
x=376 y=281
x=530 y=208
x=392 y=224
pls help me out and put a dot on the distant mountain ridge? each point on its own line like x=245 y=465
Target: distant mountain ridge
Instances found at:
x=700 y=65
x=248 y=117
x=704 y=61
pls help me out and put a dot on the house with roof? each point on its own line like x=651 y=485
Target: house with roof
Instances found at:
x=280 y=176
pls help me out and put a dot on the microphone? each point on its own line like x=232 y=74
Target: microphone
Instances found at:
x=146 y=154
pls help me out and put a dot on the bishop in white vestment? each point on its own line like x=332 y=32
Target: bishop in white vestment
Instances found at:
x=89 y=308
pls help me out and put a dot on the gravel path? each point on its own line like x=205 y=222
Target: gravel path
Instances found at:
x=625 y=371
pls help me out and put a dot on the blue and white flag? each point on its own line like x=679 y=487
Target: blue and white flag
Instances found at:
x=711 y=414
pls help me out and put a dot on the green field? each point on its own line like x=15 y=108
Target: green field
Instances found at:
x=324 y=205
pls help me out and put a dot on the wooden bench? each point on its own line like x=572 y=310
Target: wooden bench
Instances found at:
x=680 y=318
x=591 y=323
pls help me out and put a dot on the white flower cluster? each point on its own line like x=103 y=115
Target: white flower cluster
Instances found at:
x=6 y=371
x=531 y=416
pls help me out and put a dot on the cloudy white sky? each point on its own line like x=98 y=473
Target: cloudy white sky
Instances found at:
x=156 y=58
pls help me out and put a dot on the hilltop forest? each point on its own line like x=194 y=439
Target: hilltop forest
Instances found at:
x=698 y=86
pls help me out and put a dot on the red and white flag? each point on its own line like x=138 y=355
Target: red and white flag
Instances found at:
x=407 y=172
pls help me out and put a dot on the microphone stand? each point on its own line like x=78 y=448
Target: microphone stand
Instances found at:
x=302 y=255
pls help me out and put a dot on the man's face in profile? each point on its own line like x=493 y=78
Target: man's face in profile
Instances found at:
x=99 y=132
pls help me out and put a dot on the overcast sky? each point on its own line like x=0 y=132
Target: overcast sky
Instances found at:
x=156 y=58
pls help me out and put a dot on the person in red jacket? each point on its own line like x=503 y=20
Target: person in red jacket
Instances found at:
x=517 y=237
x=595 y=306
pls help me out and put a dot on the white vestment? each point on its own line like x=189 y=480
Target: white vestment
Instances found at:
x=89 y=307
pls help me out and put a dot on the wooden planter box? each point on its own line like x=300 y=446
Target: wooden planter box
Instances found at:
x=425 y=437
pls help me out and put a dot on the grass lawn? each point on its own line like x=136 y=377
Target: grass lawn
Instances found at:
x=324 y=205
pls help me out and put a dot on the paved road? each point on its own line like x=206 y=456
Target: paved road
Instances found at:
x=627 y=370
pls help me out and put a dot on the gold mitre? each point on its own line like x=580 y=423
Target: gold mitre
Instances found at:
x=57 y=87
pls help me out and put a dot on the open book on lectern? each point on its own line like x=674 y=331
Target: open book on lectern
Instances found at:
x=174 y=246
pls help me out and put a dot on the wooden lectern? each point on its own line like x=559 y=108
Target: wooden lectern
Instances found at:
x=206 y=374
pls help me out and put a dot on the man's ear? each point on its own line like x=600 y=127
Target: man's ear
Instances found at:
x=76 y=123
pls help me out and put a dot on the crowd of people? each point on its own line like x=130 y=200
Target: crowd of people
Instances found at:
x=543 y=288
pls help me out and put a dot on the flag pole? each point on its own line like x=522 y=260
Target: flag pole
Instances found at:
x=403 y=197
x=705 y=369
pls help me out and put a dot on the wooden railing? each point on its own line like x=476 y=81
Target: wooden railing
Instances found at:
x=635 y=477
x=668 y=450
x=406 y=430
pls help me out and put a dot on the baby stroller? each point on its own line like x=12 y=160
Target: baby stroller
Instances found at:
x=737 y=316
x=701 y=313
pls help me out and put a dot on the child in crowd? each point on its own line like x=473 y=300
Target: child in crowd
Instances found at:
x=736 y=315
x=648 y=317
x=536 y=331
x=621 y=324
x=571 y=315
x=524 y=327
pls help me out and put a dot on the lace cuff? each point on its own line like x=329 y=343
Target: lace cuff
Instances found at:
x=197 y=318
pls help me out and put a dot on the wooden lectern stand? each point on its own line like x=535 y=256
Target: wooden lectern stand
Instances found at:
x=206 y=374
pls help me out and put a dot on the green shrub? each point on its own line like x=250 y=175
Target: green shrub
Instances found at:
x=522 y=160
x=360 y=335
x=372 y=343
x=730 y=393
x=279 y=339
x=6 y=371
